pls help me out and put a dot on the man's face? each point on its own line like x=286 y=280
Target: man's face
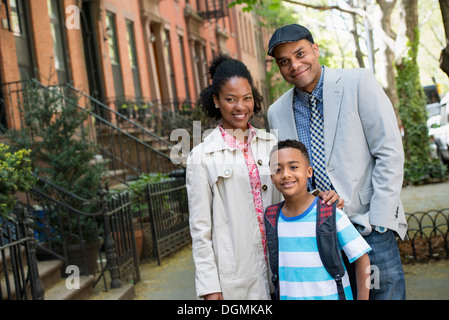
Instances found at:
x=298 y=63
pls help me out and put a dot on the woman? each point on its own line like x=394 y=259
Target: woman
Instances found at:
x=229 y=186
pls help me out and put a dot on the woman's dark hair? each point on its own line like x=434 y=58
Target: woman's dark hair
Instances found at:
x=221 y=69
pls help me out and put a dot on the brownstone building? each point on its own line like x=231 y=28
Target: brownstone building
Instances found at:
x=136 y=50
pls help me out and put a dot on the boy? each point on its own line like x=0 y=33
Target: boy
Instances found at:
x=301 y=274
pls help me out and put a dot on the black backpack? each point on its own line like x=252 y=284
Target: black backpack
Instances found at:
x=326 y=235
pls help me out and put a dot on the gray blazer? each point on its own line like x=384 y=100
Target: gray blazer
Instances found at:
x=363 y=146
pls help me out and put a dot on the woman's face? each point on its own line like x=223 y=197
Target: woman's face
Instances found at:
x=236 y=103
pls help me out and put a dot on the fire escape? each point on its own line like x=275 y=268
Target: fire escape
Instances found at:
x=216 y=10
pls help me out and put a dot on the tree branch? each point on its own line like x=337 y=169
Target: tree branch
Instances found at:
x=345 y=8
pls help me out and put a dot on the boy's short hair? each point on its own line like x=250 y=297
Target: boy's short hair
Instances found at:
x=295 y=144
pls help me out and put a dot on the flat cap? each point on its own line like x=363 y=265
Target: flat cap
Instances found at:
x=288 y=33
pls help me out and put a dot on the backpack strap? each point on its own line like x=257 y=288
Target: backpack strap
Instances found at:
x=272 y=212
x=271 y=222
x=326 y=236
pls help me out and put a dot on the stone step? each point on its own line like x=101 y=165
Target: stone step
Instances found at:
x=125 y=292
x=62 y=290
x=49 y=272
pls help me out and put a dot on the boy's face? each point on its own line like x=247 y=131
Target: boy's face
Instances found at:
x=290 y=171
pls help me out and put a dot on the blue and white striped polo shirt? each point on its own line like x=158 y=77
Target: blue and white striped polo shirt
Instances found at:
x=301 y=272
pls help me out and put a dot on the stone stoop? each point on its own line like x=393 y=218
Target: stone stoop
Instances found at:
x=49 y=272
x=59 y=290
x=55 y=285
x=125 y=292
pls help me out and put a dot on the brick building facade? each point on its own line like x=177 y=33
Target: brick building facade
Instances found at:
x=149 y=50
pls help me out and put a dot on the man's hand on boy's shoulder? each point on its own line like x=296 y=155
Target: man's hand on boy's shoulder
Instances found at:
x=330 y=197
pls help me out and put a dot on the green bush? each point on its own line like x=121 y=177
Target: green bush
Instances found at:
x=15 y=175
x=419 y=167
x=56 y=131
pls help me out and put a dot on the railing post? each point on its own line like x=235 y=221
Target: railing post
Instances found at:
x=37 y=288
x=153 y=224
x=109 y=245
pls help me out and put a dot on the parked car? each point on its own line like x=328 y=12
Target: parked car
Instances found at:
x=439 y=131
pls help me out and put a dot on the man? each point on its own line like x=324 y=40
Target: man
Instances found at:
x=348 y=125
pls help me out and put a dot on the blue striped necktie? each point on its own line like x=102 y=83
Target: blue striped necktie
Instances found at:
x=322 y=181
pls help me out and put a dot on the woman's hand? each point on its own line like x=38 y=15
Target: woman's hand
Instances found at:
x=330 y=197
x=214 y=296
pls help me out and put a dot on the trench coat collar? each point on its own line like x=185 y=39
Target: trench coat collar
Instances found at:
x=214 y=141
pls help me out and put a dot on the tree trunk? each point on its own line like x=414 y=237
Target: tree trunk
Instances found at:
x=381 y=20
x=444 y=58
x=412 y=107
x=355 y=37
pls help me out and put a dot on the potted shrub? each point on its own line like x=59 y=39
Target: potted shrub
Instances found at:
x=57 y=131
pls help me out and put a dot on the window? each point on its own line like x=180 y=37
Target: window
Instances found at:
x=58 y=45
x=132 y=56
x=15 y=17
x=167 y=52
x=112 y=39
x=184 y=69
x=111 y=34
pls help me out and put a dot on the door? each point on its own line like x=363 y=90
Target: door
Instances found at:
x=91 y=52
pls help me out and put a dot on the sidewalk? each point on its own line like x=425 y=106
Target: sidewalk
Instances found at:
x=174 y=279
x=430 y=280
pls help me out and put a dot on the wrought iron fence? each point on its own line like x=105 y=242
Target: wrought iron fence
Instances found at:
x=19 y=278
x=133 y=119
x=68 y=228
x=123 y=260
x=126 y=147
x=54 y=225
x=169 y=215
x=428 y=234
x=159 y=117
x=96 y=240
x=59 y=221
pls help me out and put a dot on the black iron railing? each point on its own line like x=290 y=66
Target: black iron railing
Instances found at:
x=19 y=275
x=128 y=148
x=160 y=117
x=85 y=233
x=428 y=234
x=169 y=215
x=102 y=229
x=120 y=242
x=214 y=9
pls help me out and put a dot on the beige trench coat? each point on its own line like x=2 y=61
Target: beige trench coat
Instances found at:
x=226 y=239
